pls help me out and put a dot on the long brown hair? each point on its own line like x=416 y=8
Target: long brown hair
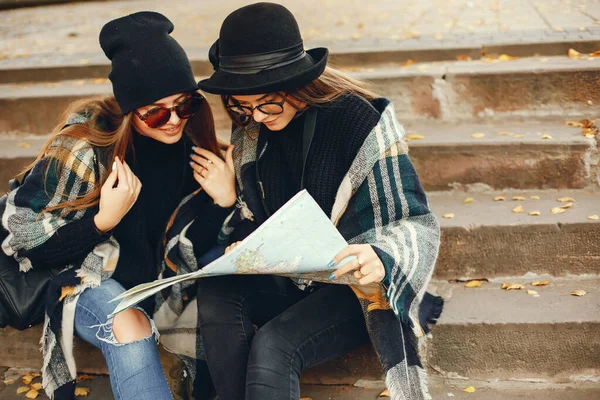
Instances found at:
x=331 y=85
x=107 y=128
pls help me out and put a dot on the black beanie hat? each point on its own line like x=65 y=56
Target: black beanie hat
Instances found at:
x=147 y=63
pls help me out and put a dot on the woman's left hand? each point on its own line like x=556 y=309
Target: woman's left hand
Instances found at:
x=367 y=266
x=215 y=176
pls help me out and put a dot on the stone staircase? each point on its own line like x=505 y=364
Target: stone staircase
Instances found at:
x=527 y=150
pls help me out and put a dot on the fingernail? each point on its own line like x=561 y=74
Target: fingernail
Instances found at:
x=114 y=165
x=331 y=277
x=191 y=156
x=192 y=163
x=194 y=148
x=331 y=264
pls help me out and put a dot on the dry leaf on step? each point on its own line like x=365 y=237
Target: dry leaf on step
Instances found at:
x=595 y=54
x=574 y=54
x=568 y=205
x=385 y=393
x=546 y=136
x=594 y=217
x=473 y=284
x=478 y=135
x=23 y=389
x=448 y=216
x=463 y=58
x=535 y=213
x=532 y=292
x=415 y=137
x=506 y=57
x=578 y=292
x=540 y=283
x=558 y=210
x=576 y=124
x=518 y=209
x=32 y=394
x=469 y=200
x=499 y=198
x=408 y=62
x=565 y=199
x=534 y=197
x=82 y=391
x=27 y=379
x=518 y=198
x=470 y=389
x=512 y=286
x=84 y=377
x=8 y=382
x=36 y=386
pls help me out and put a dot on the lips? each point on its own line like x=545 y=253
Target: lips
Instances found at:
x=172 y=131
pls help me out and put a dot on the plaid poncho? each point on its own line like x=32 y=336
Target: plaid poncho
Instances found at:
x=29 y=226
x=380 y=202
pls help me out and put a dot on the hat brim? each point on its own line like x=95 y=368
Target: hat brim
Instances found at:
x=287 y=78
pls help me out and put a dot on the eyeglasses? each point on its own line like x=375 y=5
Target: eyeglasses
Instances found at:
x=158 y=116
x=244 y=113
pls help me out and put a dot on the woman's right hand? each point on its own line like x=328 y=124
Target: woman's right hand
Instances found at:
x=231 y=247
x=116 y=201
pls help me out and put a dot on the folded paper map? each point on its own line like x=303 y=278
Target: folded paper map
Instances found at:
x=297 y=241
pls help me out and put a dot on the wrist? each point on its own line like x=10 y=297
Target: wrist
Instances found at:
x=227 y=202
x=102 y=224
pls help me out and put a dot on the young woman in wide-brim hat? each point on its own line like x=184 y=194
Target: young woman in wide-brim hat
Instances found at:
x=260 y=332
x=101 y=199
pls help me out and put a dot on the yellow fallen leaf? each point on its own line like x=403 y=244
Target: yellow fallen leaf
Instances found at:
x=568 y=205
x=565 y=199
x=32 y=394
x=577 y=124
x=470 y=389
x=23 y=389
x=532 y=292
x=438 y=36
x=469 y=200
x=578 y=292
x=559 y=29
x=546 y=137
x=100 y=80
x=36 y=386
x=448 y=216
x=590 y=136
x=543 y=59
x=415 y=137
x=534 y=197
x=84 y=377
x=408 y=63
x=23 y=145
x=504 y=133
x=463 y=58
x=574 y=54
x=535 y=213
x=305 y=398
x=385 y=393
x=506 y=57
x=82 y=391
x=558 y=210
x=519 y=136
x=512 y=286
x=518 y=198
x=8 y=381
x=595 y=54
x=540 y=283
x=27 y=379
x=499 y=198
x=473 y=284
x=35 y=374
x=594 y=217
x=478 y=135
x=518 y=209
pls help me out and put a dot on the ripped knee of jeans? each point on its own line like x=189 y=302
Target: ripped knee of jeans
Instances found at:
x=106 y=331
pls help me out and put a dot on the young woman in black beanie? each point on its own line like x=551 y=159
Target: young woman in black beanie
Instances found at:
x=302 y=125
x=102 y=195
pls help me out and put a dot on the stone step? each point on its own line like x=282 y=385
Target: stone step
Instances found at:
x=485 y=239
x=447 y=91
x=566 y=159
x=485 y=333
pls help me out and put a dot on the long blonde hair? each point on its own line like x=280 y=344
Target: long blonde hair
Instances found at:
x=107 y=128
x=328 y=87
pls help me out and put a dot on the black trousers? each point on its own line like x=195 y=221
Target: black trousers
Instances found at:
x=260 y=331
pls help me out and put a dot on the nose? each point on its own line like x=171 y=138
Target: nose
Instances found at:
x=173 y=118
x=258 y=115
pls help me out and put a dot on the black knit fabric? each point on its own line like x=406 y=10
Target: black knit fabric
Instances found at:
x=147 y=63
x=341 y=129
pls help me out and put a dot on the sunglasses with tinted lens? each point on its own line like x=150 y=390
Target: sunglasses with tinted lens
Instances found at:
x=244 y=113
x=158 y=116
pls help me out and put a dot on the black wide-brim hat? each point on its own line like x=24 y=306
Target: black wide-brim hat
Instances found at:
x=260 y=50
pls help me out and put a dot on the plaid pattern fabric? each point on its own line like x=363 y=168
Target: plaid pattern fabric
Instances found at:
x=49 y=184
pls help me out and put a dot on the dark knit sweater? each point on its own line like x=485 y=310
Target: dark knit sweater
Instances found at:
x=166 y=179
x=341 y=128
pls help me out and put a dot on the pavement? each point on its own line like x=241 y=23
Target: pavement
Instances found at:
x=49 y=33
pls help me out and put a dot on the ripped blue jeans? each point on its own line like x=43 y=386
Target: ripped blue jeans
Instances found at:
x=135 y=368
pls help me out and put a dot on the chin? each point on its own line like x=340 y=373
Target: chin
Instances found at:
x=170 y=139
